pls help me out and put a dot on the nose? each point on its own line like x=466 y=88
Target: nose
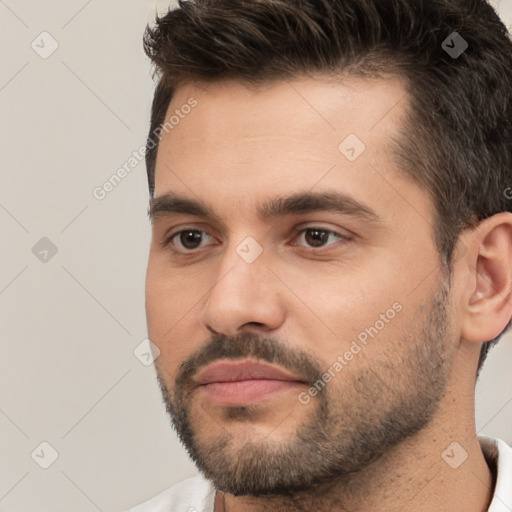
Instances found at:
x=243 y=296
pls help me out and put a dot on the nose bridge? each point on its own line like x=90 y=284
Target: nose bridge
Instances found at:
x=241 y=293
x=242 y=265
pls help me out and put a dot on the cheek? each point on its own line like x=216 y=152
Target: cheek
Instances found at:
x=171 y=315
x=167 y=296
x=159 y=305
x=171 y=330
x=364 y=306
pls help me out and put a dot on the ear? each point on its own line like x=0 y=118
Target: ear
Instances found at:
x=487 y=305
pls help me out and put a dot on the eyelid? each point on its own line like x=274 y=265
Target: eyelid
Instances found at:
x=344 y=237
x=167 y=241
x=336 y=230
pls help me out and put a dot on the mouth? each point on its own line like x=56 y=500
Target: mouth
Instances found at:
x=246 y=382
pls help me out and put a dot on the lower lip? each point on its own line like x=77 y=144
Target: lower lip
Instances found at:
x=246 y=392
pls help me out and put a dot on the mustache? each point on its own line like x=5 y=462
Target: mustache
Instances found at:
x=252 y=346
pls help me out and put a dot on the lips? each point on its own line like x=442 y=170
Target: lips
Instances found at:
x=242 y=371
x=247 y=382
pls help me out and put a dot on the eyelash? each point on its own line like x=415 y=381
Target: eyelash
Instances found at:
x=167 y=243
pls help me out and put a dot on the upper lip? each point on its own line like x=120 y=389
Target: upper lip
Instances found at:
x=232 y=371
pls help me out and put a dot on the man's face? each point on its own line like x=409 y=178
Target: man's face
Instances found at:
x=349 y=303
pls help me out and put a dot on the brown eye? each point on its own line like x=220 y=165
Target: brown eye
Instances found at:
x=187 y=240
x=318 y=237
x=190 y=239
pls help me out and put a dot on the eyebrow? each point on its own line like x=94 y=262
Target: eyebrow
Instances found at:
x=305 y=202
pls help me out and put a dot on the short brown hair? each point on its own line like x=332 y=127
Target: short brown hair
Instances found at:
x=457 y=139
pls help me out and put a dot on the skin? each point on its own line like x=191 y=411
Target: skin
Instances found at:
x=239 y=148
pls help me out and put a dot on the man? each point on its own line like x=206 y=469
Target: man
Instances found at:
x=332 y=254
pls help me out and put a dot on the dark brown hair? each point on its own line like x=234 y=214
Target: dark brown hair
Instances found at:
x=456 y=141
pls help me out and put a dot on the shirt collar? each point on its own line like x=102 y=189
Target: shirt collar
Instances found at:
x=498 y=455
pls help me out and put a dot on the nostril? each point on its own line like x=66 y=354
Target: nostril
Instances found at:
x=212 y=330
x=253 y=324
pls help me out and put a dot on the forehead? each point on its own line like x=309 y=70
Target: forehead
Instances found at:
x=317 y=111
x=239 y=145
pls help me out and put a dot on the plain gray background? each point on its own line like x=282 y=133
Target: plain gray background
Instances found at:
x=72 y=319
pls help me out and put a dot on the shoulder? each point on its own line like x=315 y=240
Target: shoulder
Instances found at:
x=195 y=494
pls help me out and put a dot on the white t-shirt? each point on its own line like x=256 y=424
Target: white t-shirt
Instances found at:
x=197 y=494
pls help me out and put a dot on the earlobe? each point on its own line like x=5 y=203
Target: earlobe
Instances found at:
x=489 y=306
